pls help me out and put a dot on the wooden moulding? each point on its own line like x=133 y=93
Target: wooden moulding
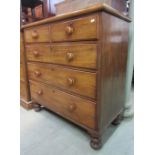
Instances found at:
x=98 y=7
x=26 y=104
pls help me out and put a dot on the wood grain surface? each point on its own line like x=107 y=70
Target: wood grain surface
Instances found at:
x=75 y=54
x=37 y=34
x=84 y=28
x=80 y=82
x=75 y=108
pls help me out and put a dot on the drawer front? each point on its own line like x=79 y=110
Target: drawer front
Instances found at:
x=23 y=90
x=83 y=83
x=84 y=28
x=37 y=34
x=72 y=107
x=78 y=55
x=22 y=75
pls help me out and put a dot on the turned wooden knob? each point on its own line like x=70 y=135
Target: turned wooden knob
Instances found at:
x=71 y=81
x=40 y=92
x=69 y=30
x=69 y=56
x=37 y=73
x=34 y=34
x=36 y=53
x=72 y=107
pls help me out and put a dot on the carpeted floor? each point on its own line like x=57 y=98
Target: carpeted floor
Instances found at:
x=45 y=133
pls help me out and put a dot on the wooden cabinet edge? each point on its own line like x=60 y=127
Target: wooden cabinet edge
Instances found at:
x=26 y=104
x=99 y=7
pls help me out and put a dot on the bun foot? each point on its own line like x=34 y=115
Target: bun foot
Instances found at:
x=37 y=107
x=96 y=143
x=118 y=119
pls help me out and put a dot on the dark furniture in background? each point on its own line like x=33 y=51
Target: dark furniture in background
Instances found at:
x=34 y=10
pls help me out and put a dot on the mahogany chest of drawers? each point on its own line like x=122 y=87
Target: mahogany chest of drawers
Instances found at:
x=77 y=66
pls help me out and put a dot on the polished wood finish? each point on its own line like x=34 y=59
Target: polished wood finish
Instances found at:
x=21 y=48
x=69 y=106
x=113 y=68
x=80 y=82
x=25 y=99
x=26 y=104
x=95 y=8
x=22 y=72
x=85 y=86
x=75 y=54
x=37 y=34
x=23 y=90
x=78 y=29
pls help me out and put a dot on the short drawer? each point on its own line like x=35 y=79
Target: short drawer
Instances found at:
x=80 y=82
x=84 y=28
x=74 y=108
x=78 y=55
x=37 y=34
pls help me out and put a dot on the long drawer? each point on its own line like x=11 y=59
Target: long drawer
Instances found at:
x=80 y=82
x=37 y=34
x=78 y=55
x=84 y=28
x=72 y=107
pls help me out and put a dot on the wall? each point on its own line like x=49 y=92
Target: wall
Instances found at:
x=130 y=63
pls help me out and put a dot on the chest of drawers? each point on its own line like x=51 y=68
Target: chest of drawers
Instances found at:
x=77 y=66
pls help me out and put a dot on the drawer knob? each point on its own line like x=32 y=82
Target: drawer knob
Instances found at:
x=72 y=107
x=69 y=56
x=37 y=73
x=36 y=53
x=34 y=34
x=69 y=30
x=40 y=92
x=71 y=81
